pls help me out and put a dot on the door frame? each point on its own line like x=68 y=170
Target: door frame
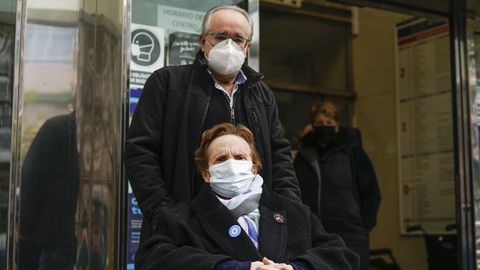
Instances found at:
x=463 y=106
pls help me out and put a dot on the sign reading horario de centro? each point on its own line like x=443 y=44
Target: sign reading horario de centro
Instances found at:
x=174 y=19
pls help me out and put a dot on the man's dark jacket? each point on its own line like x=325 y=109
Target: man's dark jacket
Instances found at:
x=340 y=186
x=50 y=184
x=195 y=235
x=166 y=130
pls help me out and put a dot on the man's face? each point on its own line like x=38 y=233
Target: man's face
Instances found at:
x=230 y=23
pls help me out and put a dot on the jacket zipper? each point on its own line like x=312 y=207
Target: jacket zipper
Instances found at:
x=232 y=108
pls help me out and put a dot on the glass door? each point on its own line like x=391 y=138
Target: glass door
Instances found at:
x=7 y=43
x=166 y=33
x=474 y=80
x=68 y=111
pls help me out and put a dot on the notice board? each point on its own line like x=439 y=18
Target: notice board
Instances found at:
x=424 y=116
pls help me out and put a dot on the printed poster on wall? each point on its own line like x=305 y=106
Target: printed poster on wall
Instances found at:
x=134 y=226
x=183 y=27
x=182 y=48
x=425 y=135
x=147 y=53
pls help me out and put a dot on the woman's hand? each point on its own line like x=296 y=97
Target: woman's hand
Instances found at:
x=267 y=264
x=255 y=265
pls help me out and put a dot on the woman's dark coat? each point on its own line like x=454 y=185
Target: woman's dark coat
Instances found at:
x=195 y=236
x=339 y=184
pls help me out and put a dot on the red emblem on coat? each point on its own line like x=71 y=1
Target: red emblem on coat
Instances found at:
x=279 y=218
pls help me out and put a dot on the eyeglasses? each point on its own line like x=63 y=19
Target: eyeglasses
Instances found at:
x=220 y=36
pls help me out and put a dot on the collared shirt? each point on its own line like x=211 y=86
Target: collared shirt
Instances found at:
x=240 y=79
x=223 y=108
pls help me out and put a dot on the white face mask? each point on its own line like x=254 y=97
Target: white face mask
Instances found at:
x=231 y=177
x=226 y=57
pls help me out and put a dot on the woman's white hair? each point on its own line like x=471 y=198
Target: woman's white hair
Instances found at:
x=208 y=15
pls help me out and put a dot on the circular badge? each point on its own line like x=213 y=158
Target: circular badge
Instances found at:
x=234 y=231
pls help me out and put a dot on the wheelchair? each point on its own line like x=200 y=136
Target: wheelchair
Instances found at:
x=441 y=248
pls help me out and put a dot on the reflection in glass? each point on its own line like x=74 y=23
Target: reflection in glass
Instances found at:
x=49 y=173
x=475 y=45
x=7 y=40
x=49 y=197
x=72 y=85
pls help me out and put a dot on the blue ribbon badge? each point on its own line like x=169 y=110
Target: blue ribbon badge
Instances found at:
x=234 y=231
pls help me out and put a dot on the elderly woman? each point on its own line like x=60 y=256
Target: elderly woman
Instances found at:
x=235 y=223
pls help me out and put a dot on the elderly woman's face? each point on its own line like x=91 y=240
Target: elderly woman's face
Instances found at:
x=227 y=147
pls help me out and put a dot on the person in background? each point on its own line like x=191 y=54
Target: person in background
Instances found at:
x=236 y=222
x=178 y=103
x=337 y=179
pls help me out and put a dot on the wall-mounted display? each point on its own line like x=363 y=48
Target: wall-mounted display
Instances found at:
x=426 y=155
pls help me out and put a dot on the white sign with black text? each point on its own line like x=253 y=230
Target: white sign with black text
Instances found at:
x=147 y=53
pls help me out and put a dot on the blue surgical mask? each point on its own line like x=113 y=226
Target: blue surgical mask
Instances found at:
x=231 y=177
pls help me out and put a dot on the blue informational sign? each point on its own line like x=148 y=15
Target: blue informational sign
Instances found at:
x=134 y=97
x=134 y=226
x=134 y=217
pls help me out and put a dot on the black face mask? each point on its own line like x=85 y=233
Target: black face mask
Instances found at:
x=324 y=134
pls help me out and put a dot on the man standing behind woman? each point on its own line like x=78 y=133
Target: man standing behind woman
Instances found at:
x=178 y=103
x=337 y=179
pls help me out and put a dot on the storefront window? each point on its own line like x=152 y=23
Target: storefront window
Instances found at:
x=7 y=42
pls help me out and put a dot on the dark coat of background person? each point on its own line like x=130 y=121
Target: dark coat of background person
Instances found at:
x=166 y=129
x=339 y=185
x=195 y=235
x=48 y=200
